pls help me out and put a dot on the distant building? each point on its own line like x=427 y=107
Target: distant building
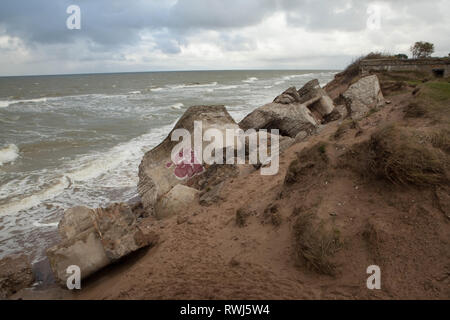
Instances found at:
x=438 y=67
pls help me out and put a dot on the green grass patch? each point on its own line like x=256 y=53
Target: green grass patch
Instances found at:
x=414 y=82
x=432 y=101
x=438 y=91
x=412 y=77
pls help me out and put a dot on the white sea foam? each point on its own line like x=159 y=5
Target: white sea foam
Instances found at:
x=90 y=171
x=117 y=161
x=134 y=92
x=237 y=114
x=194 y=85
x=97 y=167
x=35 y=199
x=250 y=80
x=294 y=76
x=305 y=75
x=31 y=100
x=7 y=103
x=93 y=166
x=4 y=104
x=45 y=225
x=8 y=154
x=227 y=87
x=177 y=106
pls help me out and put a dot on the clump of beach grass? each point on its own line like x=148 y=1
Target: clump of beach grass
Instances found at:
x=401 y=156
x=314 y=244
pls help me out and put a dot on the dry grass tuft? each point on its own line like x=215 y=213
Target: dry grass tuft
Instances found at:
x=314 y=245
x=242 y=215
x=309 y=161
x=400 y=156
x=415 y=110
x=353 y=69
x=441 y=140
x=346 y=125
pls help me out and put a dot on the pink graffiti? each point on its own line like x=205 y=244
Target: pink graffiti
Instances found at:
x=185 y=165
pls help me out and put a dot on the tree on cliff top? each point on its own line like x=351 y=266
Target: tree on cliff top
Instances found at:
x=422 y=49
x=401 y=56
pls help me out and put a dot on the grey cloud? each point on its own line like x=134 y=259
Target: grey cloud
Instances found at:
x=237 y=43
x=352 y=15
x=168 y=46
x=217 y=14
x=323 y=15
x=114 y=23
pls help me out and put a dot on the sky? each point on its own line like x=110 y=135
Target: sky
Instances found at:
x=157 y=35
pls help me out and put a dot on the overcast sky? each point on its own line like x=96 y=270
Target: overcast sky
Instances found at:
x=146 y=35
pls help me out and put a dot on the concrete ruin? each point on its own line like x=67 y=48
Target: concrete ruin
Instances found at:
x=437 y=67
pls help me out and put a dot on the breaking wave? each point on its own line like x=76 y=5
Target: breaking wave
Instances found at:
x=90 y=170
x=7 y=103
x=9 y=154
x=177 y=106
x=193 y=85
x=250 y=80
x=35 y=199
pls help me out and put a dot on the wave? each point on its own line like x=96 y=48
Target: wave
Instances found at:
x=101 y=165
x=305 y=75
x=4 y=104
x=250 y=80
x=9 y=154
x=237 y=114
x=227 y=87
x=177 y=106
x=89 y=172
x=45 y=225
x=37 y=198
x=184 y=86
x=194 y=85
x=10 y=120
x=134 y=92
x=7 y=103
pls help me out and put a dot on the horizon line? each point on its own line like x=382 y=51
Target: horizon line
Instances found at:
x=158 y=71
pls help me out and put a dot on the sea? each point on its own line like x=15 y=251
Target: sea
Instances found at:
x=68 y=140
